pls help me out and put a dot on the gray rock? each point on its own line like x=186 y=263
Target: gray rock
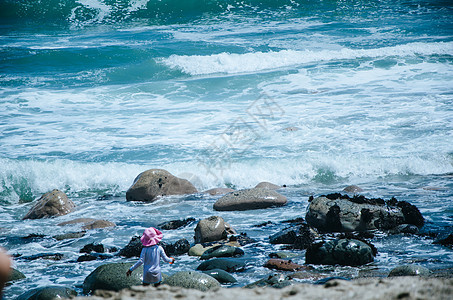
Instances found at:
x=226 y=264
x=69 y=235
x=409 y=270
x=98 y=224
x=175 y=224
x=267 y=185
x=51 y=204
x=353 y=189
x=345 y=252
x=48 y=293
x=222 y=251
x=343 y=215
x=210 y=229
x=77 y=221
x=250 y=199
x=218 y=191
x=14 y=276
x=221 y=276
x=276 y=281
x=405 y=228
x=192 y=280
x=151 y=184
x=112 y=277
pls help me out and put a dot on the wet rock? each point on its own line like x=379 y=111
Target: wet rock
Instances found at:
x=327 y=279
x=352 y=189
x=51 y=204
x=250 y=199
x=222 y=251
x=409 y=270
x=226 y=264
x=299 y=236
x=70 y=235
x=218 y=191
x=292 y=128
x=97 y=224
x=154 y=183
x=283 y=265
x=282 y=255
x=197 y=250
x=93 y=247
x=94 y=256
x=221 y=276
x=448 y=241
x=345 y=252
x=404 y=228
x=275 y=281
x=267 y=185
x=242 y=239
x=264 y=224
x=341 y=213
x=180 y=247
x=48 y=293
x=193 y=280
x=112 y=277
x=175 y=224
x=77 y=221
x=132 y=249
x=15 y=275
x=48 y=256
x=210 y=229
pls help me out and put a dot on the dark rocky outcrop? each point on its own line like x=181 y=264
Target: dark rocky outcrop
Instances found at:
x=345 y=252
x=154 y=183
x=94 y=256
x=48 y=293
x=341 y=213
x=250 y=199
x=275 y=281
x=132 y=249
x=175 y=224
x=48 y=256
x=226 y=264
x=193 y=280
x=180 y=247
x=51 y=204
x=300 y=237
x=112 y=277
x=409 y=270
x=221 y=276
x=222 y=251
x=448 y=241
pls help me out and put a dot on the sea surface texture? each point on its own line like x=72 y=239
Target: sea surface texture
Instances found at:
x=312 y=94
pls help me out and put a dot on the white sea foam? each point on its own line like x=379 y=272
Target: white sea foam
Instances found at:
x=232 y=63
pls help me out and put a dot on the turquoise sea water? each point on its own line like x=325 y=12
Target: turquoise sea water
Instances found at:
x=315 y=95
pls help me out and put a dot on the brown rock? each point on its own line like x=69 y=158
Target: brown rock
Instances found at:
x=218 y=191
x=353 y=189
x=154 y=183
x=283 y=265
x=78 y=220
x=51 y=204
x=267 y=185
x=98 y=224
x=210 y=229
x=249 y=199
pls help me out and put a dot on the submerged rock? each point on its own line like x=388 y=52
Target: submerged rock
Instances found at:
x=226 y=264
x=409 y=270
x=175 y=224
x=340 y=213
x=14 y=275
x=222 y=251
x=193 y=280
x=96 y=224
x=112 y=277
x=218 y=191
x=210 y=229
x=345 y=252
x=48 y=293
x=448 y=241
x=250 y=199
x=221 y=276
x=69 y=235
x=51 y=204
x=275 y=281
x=154 y=183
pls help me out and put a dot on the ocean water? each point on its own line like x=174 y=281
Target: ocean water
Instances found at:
x=315 y=95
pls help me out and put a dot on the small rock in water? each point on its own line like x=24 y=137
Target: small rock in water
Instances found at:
x=226 y=264
x=250 y=199
x=283 y=265
x=353 y=189
x=14 y=276
x=49 y=256
x=275 y=281
x=409 y=270
x=93 y=247
x=221 y=276
x=222 y=251
x=98 y=224
x=345 y=252
x=175 y=224
x=218 y=191
x=51 y=204
x=70 y=235
x=192 y=280
x=283 y=255
x=448 y=241
x=48 y=293
x=267 y=185
x=405 y=228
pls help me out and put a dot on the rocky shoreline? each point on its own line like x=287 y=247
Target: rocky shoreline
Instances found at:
x=363 y=288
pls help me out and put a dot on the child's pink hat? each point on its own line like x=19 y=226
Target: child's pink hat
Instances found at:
x=151 y=237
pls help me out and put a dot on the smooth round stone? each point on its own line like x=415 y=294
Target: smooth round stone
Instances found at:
x=250 y=199
x=222 y=251
x=112 y=277
x=226 y=264
x=48 y=293
x=221 y=276
x=345 y=252
x=193 y=280
x=409 y=270
x=14 y=276
x=51 y=204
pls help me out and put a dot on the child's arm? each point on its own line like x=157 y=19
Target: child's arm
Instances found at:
x=164 y=256
x=137 y=264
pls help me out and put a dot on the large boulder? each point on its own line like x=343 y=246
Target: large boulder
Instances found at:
x=48 y=293
x=154 y=183
x=345 y=252
x=51 y=204
x=341 y=213
x=250 y=199
x=211 y=229
x=192 y=280
x=112 y=277
x=226 y=264
x=222 y=251
x=300 y=236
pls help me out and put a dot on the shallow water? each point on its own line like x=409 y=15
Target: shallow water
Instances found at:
x=93 y=92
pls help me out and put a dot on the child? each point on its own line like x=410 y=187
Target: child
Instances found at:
x=150 y=257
